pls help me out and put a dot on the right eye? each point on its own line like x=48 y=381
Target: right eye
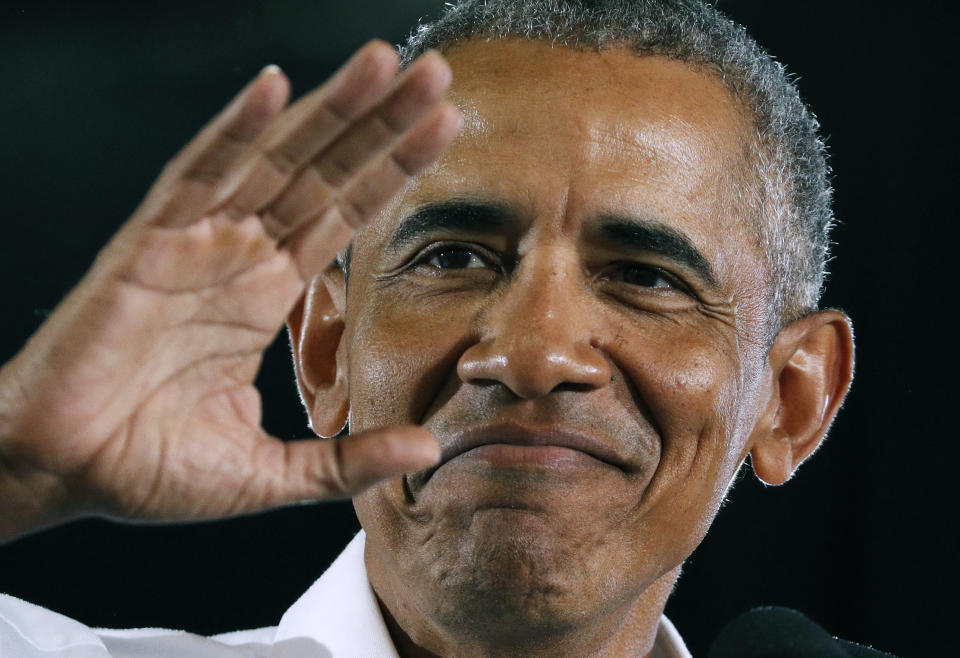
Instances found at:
x=455 y=257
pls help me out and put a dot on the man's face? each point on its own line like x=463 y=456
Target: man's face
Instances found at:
x=572 y=302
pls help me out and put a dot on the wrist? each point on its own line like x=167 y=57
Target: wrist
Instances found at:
x=30 y=498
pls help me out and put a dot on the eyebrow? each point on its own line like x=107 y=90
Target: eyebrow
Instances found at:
x=641 y=235
x=466 y=215
x=621 y=231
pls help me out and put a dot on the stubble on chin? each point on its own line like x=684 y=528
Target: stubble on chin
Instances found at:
x=512 y=571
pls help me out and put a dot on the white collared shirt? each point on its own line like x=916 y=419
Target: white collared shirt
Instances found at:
x=338 y=617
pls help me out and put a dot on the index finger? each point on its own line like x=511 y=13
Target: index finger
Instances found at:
x=248 y=153
x=307 y=127
x=223 y=142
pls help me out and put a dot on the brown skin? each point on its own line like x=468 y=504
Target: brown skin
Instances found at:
x=135 y=399
x=549 y=328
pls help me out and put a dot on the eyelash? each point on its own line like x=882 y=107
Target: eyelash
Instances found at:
x=491 y=262
x=482 y=254
x=670 y=279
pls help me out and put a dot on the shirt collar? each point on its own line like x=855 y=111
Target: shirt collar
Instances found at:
x=340 y=613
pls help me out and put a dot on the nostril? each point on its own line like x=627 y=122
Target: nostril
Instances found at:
x=573 y=387
x=479 y=382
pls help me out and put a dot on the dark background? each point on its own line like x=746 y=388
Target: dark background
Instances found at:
x=97 y=96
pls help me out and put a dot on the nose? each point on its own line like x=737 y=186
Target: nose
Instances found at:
x=541 y=334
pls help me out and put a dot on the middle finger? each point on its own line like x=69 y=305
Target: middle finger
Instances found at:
x=306 y=127
x=334 y=169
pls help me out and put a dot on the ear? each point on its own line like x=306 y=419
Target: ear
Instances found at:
x=316 y=326
x=811 y=365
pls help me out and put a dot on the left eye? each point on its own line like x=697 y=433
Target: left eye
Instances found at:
x=455 y=258
x=643 y=276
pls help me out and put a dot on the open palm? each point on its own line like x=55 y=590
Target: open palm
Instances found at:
x=135 y=399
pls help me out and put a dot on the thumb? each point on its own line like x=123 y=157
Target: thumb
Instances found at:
x=319 y=469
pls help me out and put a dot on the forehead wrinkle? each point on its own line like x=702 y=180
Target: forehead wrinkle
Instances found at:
x=675 y=151
x=647 y=144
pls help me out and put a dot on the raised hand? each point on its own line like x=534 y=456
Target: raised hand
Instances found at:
x=135 y=399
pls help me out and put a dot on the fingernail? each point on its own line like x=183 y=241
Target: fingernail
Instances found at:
x=270 y=69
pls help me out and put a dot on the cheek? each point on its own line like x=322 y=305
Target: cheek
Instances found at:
x=402 y=353
x=688 y=380
x=692 y=392
x=686 y=377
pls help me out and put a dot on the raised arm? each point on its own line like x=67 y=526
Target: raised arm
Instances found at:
x=135 y=398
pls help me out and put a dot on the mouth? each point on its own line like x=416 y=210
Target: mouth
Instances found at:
x=515 y=445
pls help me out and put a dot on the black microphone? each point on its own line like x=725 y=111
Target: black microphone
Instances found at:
x=774 y=632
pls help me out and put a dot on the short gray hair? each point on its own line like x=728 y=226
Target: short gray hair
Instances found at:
x=793 y=195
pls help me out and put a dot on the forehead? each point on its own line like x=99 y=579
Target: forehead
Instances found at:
x=643 y=98
x=562 y=135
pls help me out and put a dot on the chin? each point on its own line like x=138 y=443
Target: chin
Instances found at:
x=511 y=572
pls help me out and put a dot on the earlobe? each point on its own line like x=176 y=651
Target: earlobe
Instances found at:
x=811 y=365
x=316 y=327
